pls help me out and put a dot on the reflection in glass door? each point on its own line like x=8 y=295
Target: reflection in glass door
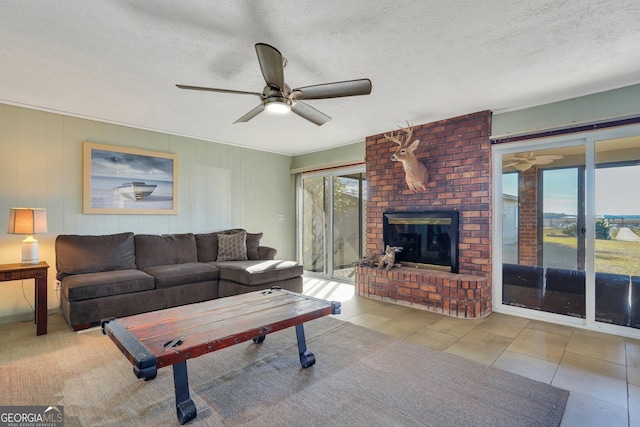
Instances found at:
x=543 y=230
x=570 y=230
x=333 y=222
x=617 y=232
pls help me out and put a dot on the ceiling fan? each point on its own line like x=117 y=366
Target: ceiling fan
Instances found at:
x=526 y=162
x=277 y=96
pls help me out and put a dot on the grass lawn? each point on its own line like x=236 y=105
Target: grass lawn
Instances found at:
x=612 y=256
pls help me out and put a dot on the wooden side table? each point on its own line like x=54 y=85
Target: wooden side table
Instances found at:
x=31 y=271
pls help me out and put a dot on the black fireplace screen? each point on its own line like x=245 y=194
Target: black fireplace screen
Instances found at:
x=429 y=237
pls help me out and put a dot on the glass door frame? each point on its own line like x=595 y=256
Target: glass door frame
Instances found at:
x=331 y=174
x=588 y=140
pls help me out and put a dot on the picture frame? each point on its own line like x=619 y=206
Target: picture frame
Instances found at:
x=120 y=180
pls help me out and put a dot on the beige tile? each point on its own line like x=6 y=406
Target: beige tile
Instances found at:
x=551 y=328
x=585 y=411
x=632 y=346
x=595 y=334
x=527 y=366
x=501 y=324
x=634 y=405
x=368 y=320
x=454 y=326
x=633 y=367
x=429 y=314
x=480 y=346
x=592 y=377
x=539 y=344
x=391 y=310
x=602 y=346
x=356 y=306
x=404 y=325
x=432 y=339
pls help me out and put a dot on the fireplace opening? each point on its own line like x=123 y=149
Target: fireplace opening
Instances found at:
x=429 y=237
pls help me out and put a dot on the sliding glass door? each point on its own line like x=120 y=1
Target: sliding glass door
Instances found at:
x=617 y=232
x=567 y=228
x=543 y=236
x=331 y=230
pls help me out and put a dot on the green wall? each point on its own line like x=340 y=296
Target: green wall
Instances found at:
x=347 y=154
x=599 y=107
x=220 y=186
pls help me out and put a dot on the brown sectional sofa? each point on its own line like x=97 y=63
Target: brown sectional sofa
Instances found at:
x=124 y=274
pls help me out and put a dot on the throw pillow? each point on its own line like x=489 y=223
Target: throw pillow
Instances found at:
x=232 y=247
x=253 y=241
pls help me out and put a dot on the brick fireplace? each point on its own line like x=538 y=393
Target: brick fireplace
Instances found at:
x=457 y=153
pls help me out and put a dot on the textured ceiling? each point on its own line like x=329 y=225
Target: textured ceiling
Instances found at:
x=118 y=61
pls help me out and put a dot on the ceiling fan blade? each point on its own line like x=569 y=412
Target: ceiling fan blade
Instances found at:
x=271 y=64
x=540 y=161
x=212 y=89
x=334 y=90
x=306 y=111
x=510 y=164
x=550 y=157
x=251 y=114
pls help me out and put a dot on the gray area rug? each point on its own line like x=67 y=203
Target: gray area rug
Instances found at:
x=361 y=378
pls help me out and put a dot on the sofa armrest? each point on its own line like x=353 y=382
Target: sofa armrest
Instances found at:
x=265 y=252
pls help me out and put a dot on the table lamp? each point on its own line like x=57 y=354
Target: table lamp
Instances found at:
x=28 y=221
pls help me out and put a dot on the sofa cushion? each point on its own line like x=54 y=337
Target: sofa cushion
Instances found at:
x=152 y=250
x=207 y=246
x=79 y=287
x=253 y=243
x=91 y=254
x=232 y=247
x=181 y=274
x=256 y=272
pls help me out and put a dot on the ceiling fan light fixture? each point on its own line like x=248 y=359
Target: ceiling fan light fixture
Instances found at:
x=277 y=105
x=523 y=166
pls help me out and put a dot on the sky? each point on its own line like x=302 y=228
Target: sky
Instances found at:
x=616 y=190
x=131 y=166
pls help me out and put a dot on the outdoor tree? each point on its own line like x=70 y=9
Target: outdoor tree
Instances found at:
x=603 y=229
x=345 y=199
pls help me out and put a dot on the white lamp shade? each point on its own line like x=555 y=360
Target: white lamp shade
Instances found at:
x=27 y=221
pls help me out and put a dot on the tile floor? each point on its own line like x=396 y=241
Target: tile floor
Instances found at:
x=601 y=371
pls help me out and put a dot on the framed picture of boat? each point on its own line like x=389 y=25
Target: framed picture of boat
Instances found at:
x=119 y=180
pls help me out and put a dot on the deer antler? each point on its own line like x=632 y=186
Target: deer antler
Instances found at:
x=396 y=137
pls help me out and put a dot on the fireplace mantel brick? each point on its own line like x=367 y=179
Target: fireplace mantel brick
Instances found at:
x=457 y=153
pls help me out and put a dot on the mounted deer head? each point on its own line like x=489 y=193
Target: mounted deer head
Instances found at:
x=415 y=173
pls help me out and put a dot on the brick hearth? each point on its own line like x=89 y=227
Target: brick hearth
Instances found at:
x=458 y=295
x=457 y=153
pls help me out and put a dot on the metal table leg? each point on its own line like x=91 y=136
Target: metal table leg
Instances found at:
x=185 y=408
x=307 y=358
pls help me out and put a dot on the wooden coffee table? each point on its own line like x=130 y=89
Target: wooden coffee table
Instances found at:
x=172 y=336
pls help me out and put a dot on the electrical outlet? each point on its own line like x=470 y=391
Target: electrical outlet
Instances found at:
x=57 y=286
x=280 y=217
